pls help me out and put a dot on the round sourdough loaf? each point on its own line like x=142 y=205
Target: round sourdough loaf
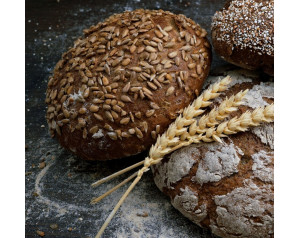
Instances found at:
x=243 y=34
x=125 y=81
x=227 y=187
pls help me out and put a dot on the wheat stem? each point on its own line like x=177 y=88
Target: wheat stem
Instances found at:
x=98 y=199
x=116 y=208
x=103 y=180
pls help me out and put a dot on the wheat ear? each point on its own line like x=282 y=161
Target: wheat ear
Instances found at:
x=237 y=124
x=177 y=128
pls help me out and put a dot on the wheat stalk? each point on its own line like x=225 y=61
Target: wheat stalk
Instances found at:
x=186 y=130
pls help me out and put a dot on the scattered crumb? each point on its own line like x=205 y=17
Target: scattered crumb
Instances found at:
x=42 y=165
x=70 y=229
x=35 y=194
x=42 y=126
x=144 y=214
x=54 y=226
x=40 y=233
x=33 y=166
x=69 y=175
x=28 y=173
x=53 y=157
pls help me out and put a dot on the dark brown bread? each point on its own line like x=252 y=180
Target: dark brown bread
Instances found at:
x=243 y=34
x=125 y=81
x=227 y=187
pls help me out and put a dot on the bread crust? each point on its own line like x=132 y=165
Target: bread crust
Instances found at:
x=243 y=34
x=227 y=187
x=125 y=81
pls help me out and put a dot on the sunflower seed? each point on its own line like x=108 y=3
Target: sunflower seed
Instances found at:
x=131 y=131
x=125 y=61
x=125 y=121
x=110 y=96
x=170 y=91
x=154 y=105
x=106 y=107
x=132 y=49
x=146 y=90
x=94 y=108
x=172 y=54
x=107 y=69
x=125 y=134
x=140 y=49
x=136 y=69
x=109 y=116
x=126 y=88
x=157 y=128
x=135 y=89
x=152 y=85
x=158 y=34
x=66 y=113
x=82 y=110
x=169 y=44
x=186 y=48
x=138 y=115
x=199 y=69
x=149 y=113
x=125 y=32
x=114 y=115
x=108 y=127
x=94 y=129
x=150 y=49
x=153 y=135
x=138 y=132
x=112 y=135
x=191 y=65
x=168 y=28
x=125 y=98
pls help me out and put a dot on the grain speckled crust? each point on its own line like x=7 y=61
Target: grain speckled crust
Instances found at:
x=227 y=187
x=125 y=81
x=243 y=34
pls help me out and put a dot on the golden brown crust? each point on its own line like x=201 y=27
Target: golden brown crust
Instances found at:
x=125 y=81
x=243 y=34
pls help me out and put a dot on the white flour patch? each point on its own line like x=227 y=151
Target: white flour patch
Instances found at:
x=220 y=161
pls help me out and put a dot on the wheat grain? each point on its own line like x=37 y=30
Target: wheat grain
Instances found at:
x=237 y=124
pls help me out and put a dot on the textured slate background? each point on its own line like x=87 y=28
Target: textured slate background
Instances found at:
x=60 y=192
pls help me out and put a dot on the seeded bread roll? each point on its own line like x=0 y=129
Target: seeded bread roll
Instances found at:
x=243 y=34
x=125 y=81
x=227 y=187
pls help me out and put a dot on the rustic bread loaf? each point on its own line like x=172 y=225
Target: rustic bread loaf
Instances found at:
x=243 y=34
x=125 y=81
x=227 y=187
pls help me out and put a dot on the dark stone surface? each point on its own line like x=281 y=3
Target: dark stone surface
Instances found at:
x=60 y=192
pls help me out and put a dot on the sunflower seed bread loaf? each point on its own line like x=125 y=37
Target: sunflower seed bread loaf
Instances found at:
x=125 y=81
x=227 y=188
x=243 y=34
